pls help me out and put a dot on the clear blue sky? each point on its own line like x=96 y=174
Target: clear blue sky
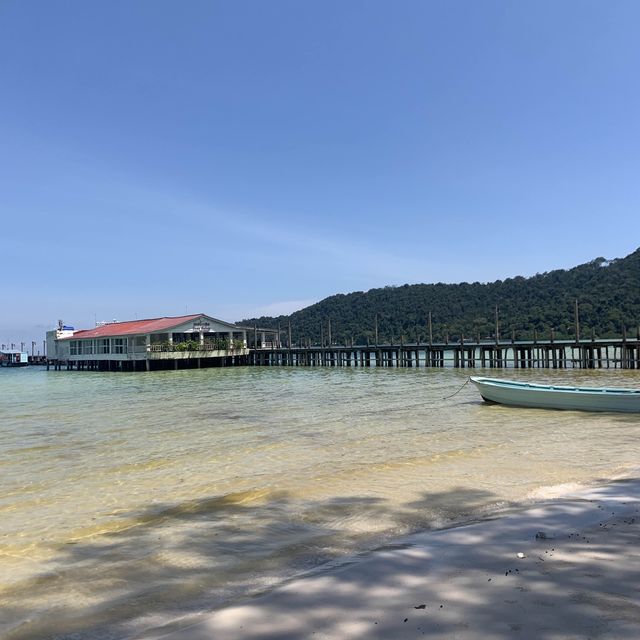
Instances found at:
x=244 y=158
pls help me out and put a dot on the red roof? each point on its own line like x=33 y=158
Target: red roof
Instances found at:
x=132 y=327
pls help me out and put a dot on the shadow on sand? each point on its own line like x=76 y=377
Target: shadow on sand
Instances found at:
x=203 y=555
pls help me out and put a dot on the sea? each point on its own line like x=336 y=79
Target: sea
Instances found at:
x=131 y=499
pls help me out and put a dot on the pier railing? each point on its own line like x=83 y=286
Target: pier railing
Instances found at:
x=195 y=346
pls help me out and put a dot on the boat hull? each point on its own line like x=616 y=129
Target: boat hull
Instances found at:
x=522 y=394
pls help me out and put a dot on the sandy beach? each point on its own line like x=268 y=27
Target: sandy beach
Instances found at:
x=564 y=568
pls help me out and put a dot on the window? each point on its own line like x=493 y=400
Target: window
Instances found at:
x=119 y=345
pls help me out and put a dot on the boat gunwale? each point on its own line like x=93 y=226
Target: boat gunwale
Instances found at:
x=535 y=387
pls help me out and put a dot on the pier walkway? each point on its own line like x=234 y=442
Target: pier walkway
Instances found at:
x=614 y=353
x=619 y=353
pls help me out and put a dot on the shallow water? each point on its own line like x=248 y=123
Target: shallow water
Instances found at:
x=129 y=496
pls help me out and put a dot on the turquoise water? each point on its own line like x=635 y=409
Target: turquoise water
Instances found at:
x=130 y=498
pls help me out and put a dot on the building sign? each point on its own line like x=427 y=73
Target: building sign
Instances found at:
x=202 y=327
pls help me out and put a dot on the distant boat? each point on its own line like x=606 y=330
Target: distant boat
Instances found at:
x=14 y=358
x=545 y=396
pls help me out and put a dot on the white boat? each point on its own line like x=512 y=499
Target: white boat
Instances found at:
x=546 y=396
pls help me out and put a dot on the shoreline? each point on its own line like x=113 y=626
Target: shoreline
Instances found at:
x=559 y=568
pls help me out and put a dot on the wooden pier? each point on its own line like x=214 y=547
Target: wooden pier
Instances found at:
x=542 y=354
x=545 y=354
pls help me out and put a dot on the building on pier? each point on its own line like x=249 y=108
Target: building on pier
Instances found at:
x=156 y=343
x=13 y=358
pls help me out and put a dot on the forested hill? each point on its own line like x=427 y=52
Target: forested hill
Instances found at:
x=608 y=293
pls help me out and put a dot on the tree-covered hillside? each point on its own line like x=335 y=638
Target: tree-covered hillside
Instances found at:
x=608 y=293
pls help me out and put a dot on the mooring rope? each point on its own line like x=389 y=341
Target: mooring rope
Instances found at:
x=466 y=382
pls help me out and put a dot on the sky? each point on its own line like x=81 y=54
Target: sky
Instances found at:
x=250 y=158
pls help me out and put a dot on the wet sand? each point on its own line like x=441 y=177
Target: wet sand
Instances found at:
x=564 y=568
